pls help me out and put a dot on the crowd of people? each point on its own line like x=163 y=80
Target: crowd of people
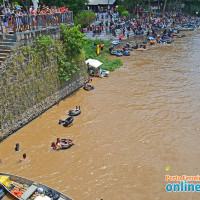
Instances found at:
x=21 y=19
x=145 y=23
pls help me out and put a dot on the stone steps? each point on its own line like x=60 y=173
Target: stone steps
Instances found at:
x=5 y=51
x=5 y=47
x=3 y=54
x=3 y=58
x=7 y=43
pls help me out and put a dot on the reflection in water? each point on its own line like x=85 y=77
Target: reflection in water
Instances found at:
x=135 y=123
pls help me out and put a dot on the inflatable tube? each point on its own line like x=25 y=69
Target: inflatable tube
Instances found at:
x=119 y=54
x=130 y=49
x=74 y=112
x=134 y=47
x=66 y=142
x=126 y=54
x=168 y=38
x=66 y=147
x=88 y=88
x=113 y=53
x=168 y=42
x=66 y=122
x=115 y=42
x=150 y=38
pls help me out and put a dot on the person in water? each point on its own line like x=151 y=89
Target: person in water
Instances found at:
x=24 y=158
x=53 y=145
x=17 y=147
x=63 y=145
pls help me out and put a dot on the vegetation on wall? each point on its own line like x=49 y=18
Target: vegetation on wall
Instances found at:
x=34 y=73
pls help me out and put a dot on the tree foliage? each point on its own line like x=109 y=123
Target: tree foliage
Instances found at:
x=121 y=9
x=191 y=6
x=85 y=18
x=75 y=5
x=126 y=14
x=69 y=51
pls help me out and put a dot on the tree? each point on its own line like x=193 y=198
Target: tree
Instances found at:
x=126 y=14
x=121 y=9
x=165 y=3
x=70 y=51
x=75 y=5
x=85 y=18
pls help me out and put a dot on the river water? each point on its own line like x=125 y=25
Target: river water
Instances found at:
x=140 y=120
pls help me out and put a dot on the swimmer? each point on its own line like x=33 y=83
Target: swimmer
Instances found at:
x=17 y=147
x=24 y=158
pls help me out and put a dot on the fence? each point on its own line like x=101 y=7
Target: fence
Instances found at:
x=34 y=22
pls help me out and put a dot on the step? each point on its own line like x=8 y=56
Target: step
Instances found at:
x=3 y=54
x=5 y=51
x=7 y=43
x=9 y=40
x=5 y=47
x=3 y=58
x=10 y=36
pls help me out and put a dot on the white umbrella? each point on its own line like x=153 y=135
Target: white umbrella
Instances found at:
x=93 y=63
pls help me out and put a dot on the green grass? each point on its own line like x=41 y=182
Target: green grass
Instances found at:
x=90 y=52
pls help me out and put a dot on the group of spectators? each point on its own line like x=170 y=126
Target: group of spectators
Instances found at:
x=21 y=19
x=147 y=23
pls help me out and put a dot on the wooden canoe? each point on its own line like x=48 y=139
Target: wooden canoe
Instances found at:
x=30 y=189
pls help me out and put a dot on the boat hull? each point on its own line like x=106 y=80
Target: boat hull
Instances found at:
x=21 y=180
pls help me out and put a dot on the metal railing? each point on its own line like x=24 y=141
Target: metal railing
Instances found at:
x=33 y=22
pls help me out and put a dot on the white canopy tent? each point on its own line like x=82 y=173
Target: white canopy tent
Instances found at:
x=94 y=63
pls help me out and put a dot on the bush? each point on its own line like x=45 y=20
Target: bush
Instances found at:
x=126 y=14
x=85 y=18
x=121 y=9
x=90 y=52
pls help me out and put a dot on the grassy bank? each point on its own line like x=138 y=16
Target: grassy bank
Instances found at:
x=90 y=52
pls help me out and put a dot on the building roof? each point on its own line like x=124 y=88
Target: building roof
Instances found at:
x=101 y=2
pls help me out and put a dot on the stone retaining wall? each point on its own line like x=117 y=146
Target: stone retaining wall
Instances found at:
x=30 y=85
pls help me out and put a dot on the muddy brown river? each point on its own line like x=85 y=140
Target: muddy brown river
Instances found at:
x=143 y=118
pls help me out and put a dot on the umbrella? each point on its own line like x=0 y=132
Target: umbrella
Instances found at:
x=93 y=63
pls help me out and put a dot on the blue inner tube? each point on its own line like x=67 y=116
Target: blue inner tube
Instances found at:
x=119 y=54
x=126 y=54
x=113 y=52
x=88 y=89
x=66 y=147
x=169 y=42
x=134 y=47
x=68 y=121
x=74 y=112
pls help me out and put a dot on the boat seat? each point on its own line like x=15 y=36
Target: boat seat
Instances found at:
x=29 y=192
